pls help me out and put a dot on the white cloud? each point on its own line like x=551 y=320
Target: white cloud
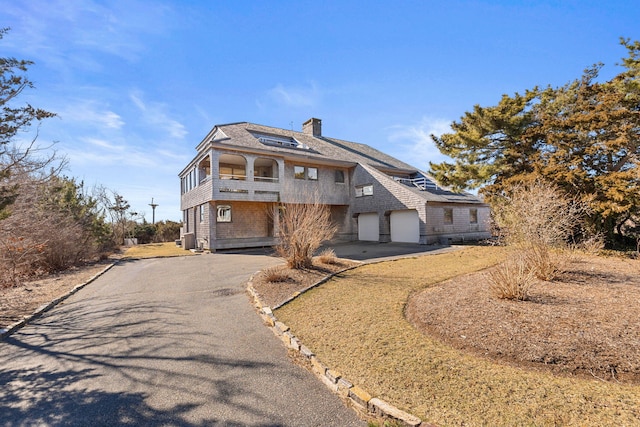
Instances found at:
x=108 y=153
x=104 y=153
x=87 y=112
x=81 y=28
x=105 y=144
x=414 y=140
x=296 y=96
x=174 y=155
x=154 y=114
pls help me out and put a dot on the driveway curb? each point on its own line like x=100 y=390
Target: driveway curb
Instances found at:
x=5 y=332
x=335 y=381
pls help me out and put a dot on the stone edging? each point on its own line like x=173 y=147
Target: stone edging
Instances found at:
x=334 y=380
x=5 y=332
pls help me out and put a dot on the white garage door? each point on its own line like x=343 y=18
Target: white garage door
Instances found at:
x=405 y=226
x=368 y=228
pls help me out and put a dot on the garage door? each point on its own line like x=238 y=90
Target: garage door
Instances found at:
x=368 y=228
x=405 y=226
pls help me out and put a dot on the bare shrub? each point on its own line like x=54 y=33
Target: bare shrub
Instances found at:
x=538 y=213
x=513 y=278
x=592 y=244
x=538 y=219
x=303 y=228
x=18 y=255
x=547 y=264
x=276 y=274
x=328 y=256
x=50 y=227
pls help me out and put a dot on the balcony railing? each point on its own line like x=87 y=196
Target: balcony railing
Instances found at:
x=265 y=179
x=420 y=182
x=234 y=177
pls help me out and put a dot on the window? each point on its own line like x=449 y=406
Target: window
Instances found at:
x=448 y=215
x=189 y=181
x=312 y=174
x=304 y=172
x=223 y=213
x=339 y=176
x=265 y=170
x=473 y=216
x=364 y=190
x=202 y=208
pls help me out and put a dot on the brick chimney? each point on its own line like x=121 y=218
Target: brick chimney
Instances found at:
x=312 y=127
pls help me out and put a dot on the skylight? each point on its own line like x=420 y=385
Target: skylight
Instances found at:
x=282 y=141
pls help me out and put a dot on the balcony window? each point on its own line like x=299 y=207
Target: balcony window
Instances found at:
x=232 y=166
x=265 y=170
x=204 y=170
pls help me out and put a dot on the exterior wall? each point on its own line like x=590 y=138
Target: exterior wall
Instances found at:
x=388 y=196
x=200 y=194
x=252 y=224
x=460 y=229
x=341 y=217
x=197 y=226
x=325 y=187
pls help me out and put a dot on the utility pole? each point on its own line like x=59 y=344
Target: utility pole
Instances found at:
x=153 y=208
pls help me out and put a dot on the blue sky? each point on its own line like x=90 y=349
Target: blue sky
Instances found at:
x=138 y=84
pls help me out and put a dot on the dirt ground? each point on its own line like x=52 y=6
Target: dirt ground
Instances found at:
x=21 y=301
x=273 y=294
x=585 y=323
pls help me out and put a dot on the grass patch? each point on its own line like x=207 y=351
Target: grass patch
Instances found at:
x=155 y=250
x=355 y=324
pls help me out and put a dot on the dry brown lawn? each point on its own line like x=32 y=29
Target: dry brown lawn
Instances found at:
x=156 y=250
x=469 y=359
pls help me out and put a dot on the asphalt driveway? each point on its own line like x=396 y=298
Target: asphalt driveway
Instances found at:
x=161 y=342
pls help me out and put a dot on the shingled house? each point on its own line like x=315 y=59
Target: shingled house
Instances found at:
x=242 y=172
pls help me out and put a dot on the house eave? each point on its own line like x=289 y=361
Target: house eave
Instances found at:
x=301 y=157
